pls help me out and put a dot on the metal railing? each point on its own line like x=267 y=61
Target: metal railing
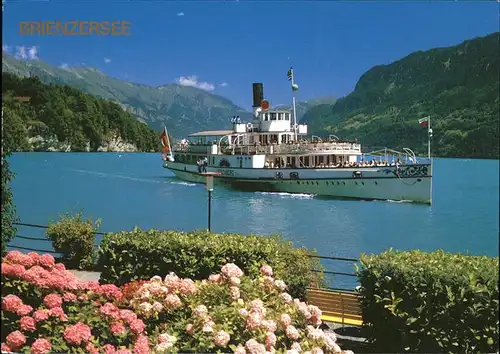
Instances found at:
x=327 y=272
x=302 y=148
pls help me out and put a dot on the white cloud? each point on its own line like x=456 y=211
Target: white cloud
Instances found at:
x=64 y=66
x=27 y=53
x=5 y=48
x=223 y=84
x=193 y=81
x=180 y=14
x=107 y=60
x=33 y=53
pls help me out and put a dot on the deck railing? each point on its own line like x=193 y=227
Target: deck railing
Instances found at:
x=41 y=242
x=303 y=148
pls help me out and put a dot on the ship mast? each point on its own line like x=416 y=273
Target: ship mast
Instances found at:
x=295 y=87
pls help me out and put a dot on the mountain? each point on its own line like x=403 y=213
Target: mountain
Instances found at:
x=457 y=86
x=182 y=109
x=303 y=106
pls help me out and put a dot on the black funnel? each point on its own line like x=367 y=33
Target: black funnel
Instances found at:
x=258 y=93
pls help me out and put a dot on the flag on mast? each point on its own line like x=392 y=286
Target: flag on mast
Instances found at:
x=424 y=121
x=291 y=78
x=164 y=140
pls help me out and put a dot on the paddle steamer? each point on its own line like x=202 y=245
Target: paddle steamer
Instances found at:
x=272 y=153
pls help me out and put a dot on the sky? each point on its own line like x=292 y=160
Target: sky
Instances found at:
x=224 y=46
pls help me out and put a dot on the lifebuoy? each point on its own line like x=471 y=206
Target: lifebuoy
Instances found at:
x=249 y=125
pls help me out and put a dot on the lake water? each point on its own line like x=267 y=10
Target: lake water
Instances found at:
x=126 y=190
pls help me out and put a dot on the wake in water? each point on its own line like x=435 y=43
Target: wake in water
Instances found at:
x=135 y=179
x=289 y=195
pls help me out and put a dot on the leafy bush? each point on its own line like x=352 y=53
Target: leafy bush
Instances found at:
x=74 y=237
x=46 y=309
x=139 y=254
x=430 y=302
x=8 y=213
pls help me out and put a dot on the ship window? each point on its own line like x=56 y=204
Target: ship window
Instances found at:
x=273 y=116
x=287 y=116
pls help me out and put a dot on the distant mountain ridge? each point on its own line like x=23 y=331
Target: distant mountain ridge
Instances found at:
x=183 y=109
x=457 y=86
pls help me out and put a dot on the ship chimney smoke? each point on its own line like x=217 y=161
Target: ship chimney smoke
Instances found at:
x=258 y=94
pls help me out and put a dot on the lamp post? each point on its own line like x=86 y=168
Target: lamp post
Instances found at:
x=210 y=189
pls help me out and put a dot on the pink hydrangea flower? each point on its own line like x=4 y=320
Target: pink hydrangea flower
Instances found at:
x=215 y=278
x=41 y=346
x=16 y=257
x=285 y=320
x=187 y=287
x=108 y=349
x=269 y=325
x=234 y=292
x=41 y=315
x=240 y=350
x=208 y=327
x=117 y=328
x=200 y=311
x=254 y=320
x=254 y=347
x=221 y=339
x=128 y=316
x=270 y=341
x=69 y=297
x=292 y=332
x=287 y=298
x=59 y=313
x=316 y=350
x=266 y=270
x=15 y=340
x=172 y=301
x=141 y=345
x=5 y=348
x=47 y=261
x=231 y=270
x=90 y=348
x=27 y=324
x=190 y=329
x=109 y=310
x=137 y=326
x=110 y=292
x=123 y=351
x=11 y=303
x=280 y=285
x=296 y=346
x=53 y=300
x=77 y=333
x=24 y=310
x=13 y=270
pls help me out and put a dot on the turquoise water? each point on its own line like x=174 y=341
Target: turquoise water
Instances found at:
x=125 y=190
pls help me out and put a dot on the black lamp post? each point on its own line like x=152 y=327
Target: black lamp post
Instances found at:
x=210 y=189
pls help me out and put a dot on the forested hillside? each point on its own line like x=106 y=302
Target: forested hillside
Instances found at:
x=457 y=86
x=58 y=117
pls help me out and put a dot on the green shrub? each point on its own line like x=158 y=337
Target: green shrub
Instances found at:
x=8 y=214
x=430 y=302
x=74 y=238
x=139 y=254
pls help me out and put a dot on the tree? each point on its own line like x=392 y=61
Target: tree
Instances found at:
x=8 y=207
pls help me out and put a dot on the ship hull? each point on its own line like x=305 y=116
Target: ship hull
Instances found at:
x=407 y=183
